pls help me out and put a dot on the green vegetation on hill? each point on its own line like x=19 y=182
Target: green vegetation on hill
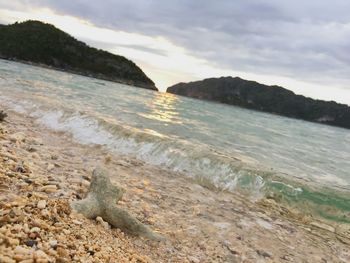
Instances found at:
x=44 y=44
x=272 y=99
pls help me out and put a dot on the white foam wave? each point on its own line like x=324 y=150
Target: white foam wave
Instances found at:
x=188 y=159
x=185 y=159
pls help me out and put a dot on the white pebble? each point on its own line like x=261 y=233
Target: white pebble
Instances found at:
x=53 y=243
x=35 y=230
x=77 y=222
x=41 y=204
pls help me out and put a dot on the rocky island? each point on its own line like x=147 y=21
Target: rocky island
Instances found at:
x=271 y=99
x=43 y=44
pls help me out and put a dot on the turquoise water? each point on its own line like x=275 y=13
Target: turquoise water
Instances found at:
x=232 y=148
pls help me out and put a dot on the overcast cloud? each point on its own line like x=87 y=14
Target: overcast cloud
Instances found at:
x=304 y=40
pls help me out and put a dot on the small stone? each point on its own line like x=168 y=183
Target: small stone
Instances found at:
x=49 y=188
x=85 y=183
x=63 y=253
x=31 y=149
x=40 y=255
x=12 y=242
x=31 y=243
x=263 y=253
x=62 y=260
x=99 y=219
x=27 y=261
x=3 y=230
x=28 y=181
x=35 y=230
x=17 y=228
x=106 y=225
x=40 y=223
x=4 y=259
x=35 y=156
x=41 y=204
x=87 y=178
x=53 y=244
x=17 y=137
x=103 y=223
x=22 y=251
x=50 y=166
x=77 y=222
x=26 y=228
x=287 y=258
x=20 y=168
x=33 y=235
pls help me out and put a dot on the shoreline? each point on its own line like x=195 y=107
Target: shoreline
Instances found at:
x=200 y=225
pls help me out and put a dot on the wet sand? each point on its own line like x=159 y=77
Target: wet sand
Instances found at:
x=41 y=171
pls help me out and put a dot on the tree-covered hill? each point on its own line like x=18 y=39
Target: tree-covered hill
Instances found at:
x=272 y=99
x=44 y=44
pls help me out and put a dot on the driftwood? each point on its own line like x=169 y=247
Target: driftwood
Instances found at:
x=102 y=201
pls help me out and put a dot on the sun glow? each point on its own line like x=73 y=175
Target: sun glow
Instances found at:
x=163 y=108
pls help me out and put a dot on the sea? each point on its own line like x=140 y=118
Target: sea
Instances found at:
x=300 y=164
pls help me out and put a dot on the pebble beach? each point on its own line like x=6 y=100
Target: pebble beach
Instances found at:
x=42 y=172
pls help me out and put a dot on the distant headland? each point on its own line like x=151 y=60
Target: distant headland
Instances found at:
x=42 y=44
x=272 y=99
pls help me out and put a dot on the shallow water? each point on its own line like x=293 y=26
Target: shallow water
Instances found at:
x=232 y=148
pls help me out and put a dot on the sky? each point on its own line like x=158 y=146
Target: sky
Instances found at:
x=300 y=45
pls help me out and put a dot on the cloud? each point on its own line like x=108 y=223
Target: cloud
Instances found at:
x=303 y=40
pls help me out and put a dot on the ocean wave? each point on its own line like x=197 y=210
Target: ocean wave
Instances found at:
x=206 y=166
x=202 y=164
